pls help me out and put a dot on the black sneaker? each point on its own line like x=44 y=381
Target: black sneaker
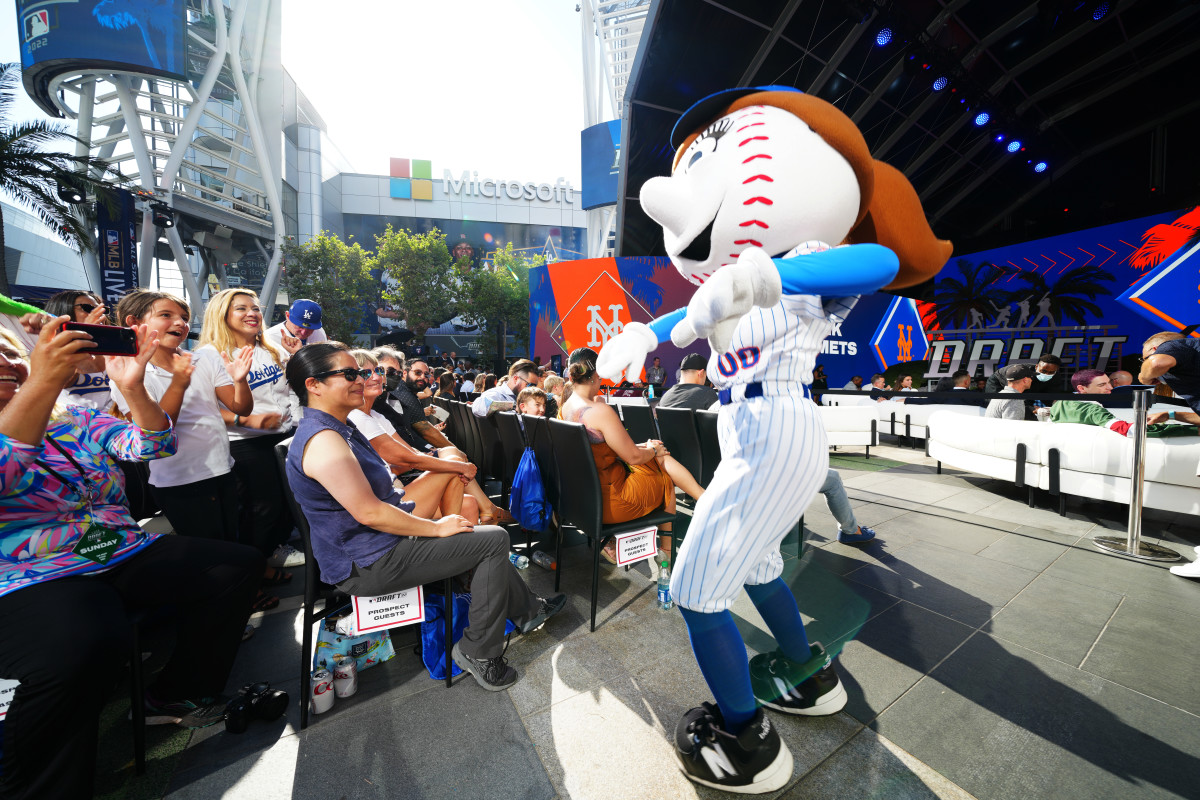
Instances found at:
x=493 y=674
x=186 y=713
x=753 y=762
x=811 y=688
x=548 y=608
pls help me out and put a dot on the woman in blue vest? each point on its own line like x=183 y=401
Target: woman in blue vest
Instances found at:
x=364 y=537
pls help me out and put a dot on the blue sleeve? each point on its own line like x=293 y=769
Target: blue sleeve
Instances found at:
x=663 y=325
x=855 y=269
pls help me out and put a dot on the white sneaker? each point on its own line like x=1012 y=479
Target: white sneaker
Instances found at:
x=1191 y=570
x=286 y=557
x=1198 y=548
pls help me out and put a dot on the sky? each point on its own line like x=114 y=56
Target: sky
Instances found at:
x=488 y=85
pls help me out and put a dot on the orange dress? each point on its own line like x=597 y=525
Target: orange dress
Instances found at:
x=626 y=492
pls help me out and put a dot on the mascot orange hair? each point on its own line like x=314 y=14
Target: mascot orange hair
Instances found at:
x=777 y=212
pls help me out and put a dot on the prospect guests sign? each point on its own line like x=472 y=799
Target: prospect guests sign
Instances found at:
x=116 y=247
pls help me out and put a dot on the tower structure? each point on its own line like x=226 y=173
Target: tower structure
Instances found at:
x=185 y=97
x=611 y=34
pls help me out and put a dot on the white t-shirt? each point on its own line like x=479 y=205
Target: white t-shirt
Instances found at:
x=467 y=386
x=270 y=390
x=275 y=334
x=90 y=390
x=203 y=450
x=371 y=425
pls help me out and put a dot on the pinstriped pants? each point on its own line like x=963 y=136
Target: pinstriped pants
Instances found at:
x=774 y=460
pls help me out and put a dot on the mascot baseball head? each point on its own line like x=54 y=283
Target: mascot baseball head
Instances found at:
x=774 y=168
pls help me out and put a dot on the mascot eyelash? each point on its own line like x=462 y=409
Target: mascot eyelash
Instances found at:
x=716 y=131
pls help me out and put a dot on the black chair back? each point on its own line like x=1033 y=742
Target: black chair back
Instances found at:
x=639 y=422
x=710 y=445
x=537 y=433
x=677 y=427
x=512 y=444
x=579 y=482
x=491 y=455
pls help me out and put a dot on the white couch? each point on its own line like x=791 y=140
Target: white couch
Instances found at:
x=851 y=426
x=902 y=419
x=1069 y=459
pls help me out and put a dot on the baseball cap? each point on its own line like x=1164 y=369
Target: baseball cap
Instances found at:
x=306 y=314
x=694 y=361
x=1015 y=372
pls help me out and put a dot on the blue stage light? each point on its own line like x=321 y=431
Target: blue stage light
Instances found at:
x=999 y=137
x=1039 y=166
x=1014 y=145
x=1100 y=12
x=883 y=37
x=941 y=83
x=982 y=118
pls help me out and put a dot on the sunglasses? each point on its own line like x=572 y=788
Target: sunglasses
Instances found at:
x=87 y=307
x=392 y=372
x=349 y=373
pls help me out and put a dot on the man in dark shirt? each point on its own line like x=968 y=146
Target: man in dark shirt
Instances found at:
x=1173 y=359
x=690 y=392
x=1046 y=378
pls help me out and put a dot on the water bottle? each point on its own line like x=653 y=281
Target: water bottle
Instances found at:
x=519 y=561
x=544 y=560
x=650 y=390
x=664 y=587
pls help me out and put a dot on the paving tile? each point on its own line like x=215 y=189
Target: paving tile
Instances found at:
x=1016 y=511
x=267 y=771
x=1153 y=650
x=842 y=558
x=433 y=744
x=968 y=501
x=1024 y=551
x=892 y=652
x=961 y=586
x=1057 y=618
x=1004 y=722
x=1148 y=582
x=892 y=485
x=938 y=530
x=870 y=765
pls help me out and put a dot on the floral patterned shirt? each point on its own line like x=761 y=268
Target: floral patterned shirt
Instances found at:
x=42 y=517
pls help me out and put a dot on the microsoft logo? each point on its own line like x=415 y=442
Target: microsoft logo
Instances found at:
x=411 y=179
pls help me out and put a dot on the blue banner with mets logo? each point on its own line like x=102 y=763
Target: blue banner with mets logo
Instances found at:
x=116 y=246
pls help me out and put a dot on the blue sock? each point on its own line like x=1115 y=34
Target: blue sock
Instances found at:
x=721 y=654
x=777 y=606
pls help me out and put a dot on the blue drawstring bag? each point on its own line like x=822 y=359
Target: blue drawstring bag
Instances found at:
x=433 y=633
x=527 y=498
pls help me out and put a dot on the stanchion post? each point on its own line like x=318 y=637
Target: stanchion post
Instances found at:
x=1132 y=545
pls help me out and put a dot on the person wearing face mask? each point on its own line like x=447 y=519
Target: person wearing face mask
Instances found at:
x=1046 y=380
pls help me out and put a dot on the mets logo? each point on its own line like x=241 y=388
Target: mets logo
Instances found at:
x=599 y=331
x=904 y=345
x=899 y=338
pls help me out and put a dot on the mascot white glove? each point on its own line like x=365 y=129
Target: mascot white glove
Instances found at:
x=626 y=352
x=717 y=306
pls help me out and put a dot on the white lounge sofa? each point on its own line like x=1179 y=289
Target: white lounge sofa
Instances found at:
x=1069 y=459
x=912 y=421
x=851 y=426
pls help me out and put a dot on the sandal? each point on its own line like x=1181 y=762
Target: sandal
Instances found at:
x=609 y=552
x=499 y=517
x=263 y=602
x=278 y=579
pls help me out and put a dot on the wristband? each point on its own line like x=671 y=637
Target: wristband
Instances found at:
x=1170 y=415
x=237 y=420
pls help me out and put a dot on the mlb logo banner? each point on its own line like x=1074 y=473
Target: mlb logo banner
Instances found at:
x=116 y=246
x=899 y=337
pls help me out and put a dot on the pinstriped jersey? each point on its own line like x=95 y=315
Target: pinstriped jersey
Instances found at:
x=780 y=343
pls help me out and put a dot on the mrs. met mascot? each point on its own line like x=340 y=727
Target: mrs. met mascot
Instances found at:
x=777 y=211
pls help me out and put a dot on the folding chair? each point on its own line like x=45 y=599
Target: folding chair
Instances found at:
x=537 y=433
x=333 y=599
x=580 y=501
x=710 y=445
x=639 y=422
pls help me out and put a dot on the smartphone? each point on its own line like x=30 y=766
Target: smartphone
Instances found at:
x=110 y=340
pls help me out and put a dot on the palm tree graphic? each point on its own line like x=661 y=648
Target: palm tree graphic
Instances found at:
x=1071 y=296
x=956 y=298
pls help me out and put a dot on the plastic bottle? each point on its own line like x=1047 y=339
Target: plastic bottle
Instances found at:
x=544 y=560
x=664 y=587
x=519 y=561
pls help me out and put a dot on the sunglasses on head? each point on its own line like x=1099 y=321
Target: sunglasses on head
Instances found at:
x=349 y=373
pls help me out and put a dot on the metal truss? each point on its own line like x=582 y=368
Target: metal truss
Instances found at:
x=611 y=35
x=199 y=146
